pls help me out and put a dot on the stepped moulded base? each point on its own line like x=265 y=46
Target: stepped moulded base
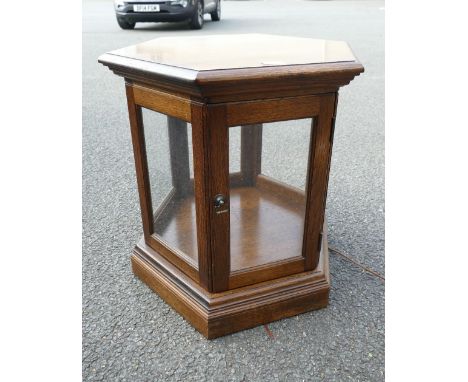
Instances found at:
x=218 y=314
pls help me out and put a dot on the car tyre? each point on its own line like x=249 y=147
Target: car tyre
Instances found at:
x=125 y=24
x=216 y=14
x=196 y=22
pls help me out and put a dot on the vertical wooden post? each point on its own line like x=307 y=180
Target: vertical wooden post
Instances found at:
x=179 y=153
x=251 y=153
x=141 y=163
x=211 y=177
x=317 y=177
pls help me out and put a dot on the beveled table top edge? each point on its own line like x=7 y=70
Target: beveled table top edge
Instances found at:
x=115 y=61
x=130 y=64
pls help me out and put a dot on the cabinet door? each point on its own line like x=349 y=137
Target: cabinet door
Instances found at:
x=278 y=182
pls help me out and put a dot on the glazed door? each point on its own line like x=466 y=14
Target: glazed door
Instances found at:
x=261 y=170
x=268 y=175
x=279 y=158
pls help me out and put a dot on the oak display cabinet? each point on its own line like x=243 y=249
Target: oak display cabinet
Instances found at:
x=232 y=138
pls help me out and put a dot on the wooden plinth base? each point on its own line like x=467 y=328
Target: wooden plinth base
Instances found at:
x=218 y=314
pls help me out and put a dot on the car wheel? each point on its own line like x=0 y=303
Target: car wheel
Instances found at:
x=216 y=14
x=196 y=22
x=125 y=24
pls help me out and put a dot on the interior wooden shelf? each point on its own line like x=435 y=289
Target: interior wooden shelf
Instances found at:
x=266 y=224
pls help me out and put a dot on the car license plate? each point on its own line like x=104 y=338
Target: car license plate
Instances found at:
x=146 y=8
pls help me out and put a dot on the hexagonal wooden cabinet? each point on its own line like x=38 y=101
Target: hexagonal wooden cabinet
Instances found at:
x=232 y=137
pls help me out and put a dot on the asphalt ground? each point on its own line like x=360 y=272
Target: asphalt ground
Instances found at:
x=129 y=333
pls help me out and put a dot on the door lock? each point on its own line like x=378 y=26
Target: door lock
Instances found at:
x=219 y=200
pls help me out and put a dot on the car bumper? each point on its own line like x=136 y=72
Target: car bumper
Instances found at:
x=166 y=13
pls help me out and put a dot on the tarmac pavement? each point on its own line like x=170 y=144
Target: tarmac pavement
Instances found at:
x=129 y=333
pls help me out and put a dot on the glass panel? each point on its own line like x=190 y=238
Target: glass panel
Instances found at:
x=285 y=151
x=267 y=201
x=169 y=152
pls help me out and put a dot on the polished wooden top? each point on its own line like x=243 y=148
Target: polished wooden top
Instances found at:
x=237 y=51
x=213 y=69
